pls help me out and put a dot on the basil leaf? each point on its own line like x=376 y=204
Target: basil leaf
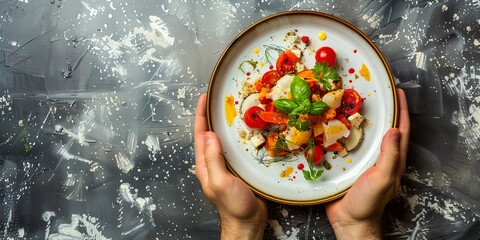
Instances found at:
x=285 y=105
x=318 y=108
x=299 y=89
x=317 y=174
x=306 y=175
x=301 y=109
x=300 y=125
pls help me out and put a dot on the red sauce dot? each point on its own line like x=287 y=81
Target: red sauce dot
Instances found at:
x=294 y=177
x=350 y=81
x=355 y=51
x=248 y=73
x=236 y=102
x=305 y=39
x=271 y=67
x=246 y=149
x=300 y=166
x=351 y=70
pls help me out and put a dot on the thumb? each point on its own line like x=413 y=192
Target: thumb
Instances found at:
x=389 y=152
x=214 y=155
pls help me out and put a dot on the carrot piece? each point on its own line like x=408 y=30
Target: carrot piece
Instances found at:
x=306 y=74
x=274 y=117
x=329 y=115
x=270 y=146
x=262 y=96
x=336 y=147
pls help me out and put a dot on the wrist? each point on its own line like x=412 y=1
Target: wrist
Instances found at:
x=237 y=230
x=357 y=230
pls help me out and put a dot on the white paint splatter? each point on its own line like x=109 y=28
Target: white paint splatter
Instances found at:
x=444 y=8
x=372 y=19
x=153 y=144
x=93 y=10
x=144 y=205
x=21 y=232
x=420 y=60
x=46 y=217
x=280 y=234
x=456 y=17
x=181 y=93
x=159 y=34
x=476 y=42
x=123 y=162
x=81 y=227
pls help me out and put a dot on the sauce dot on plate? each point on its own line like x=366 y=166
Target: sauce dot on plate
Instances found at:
x=322 y=36
x=256 y=50
x=300 y=166
x=287 y=172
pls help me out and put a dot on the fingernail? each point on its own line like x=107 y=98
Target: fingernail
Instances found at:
x=208 y=138
x=395 y=134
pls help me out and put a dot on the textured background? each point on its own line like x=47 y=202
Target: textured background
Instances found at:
x=97 y=101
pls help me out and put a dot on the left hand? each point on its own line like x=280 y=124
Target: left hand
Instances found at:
x=242 y=214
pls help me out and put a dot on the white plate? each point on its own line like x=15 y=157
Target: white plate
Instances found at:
x=353 y=49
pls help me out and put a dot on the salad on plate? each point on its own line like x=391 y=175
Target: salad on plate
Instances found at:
x=296 y=108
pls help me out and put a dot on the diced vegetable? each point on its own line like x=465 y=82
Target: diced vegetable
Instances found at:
x=354 y=139
x=333 y=99
x=274 y=117
x=258 y=140
x=356 y=119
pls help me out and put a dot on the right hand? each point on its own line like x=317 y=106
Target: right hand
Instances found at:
x=358 y=214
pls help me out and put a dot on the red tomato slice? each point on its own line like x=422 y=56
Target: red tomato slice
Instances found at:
x=269 y=79
x=286 y=62
x=317 y=154
x=351 y=101
x=252 y=118
x=326 y=54
x=270 y=107
x=341 y=117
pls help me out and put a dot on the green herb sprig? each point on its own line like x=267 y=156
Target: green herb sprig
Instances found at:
x=311 y=174
x=325 y=75
x=300 y=104
x=252 y=63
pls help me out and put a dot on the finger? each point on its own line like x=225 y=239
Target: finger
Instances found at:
x=200 y=127
x=404 y=127
x=389 y=152
x=214 y=156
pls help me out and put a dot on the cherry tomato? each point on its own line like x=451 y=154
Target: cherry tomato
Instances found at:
x=317 y=154
x=269 y=79
x=351 y=101
x=286 y=62
x=326 y=54
x=251 y=118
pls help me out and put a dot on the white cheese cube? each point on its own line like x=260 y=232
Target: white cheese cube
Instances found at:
x=258 y=140
x=356 y=119
x=343 y=153
x=299 y=67
x=297 y=52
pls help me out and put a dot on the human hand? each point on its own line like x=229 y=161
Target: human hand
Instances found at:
x=358 y=214
x=242 y=214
